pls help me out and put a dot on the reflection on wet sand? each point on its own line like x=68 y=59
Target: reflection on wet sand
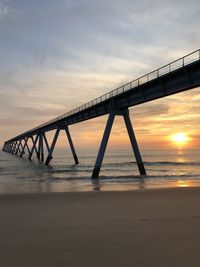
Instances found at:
x=98 y=185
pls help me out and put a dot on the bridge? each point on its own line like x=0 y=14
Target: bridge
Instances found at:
x=178 y=76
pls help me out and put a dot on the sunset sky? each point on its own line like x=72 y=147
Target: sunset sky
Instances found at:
x=57 y=55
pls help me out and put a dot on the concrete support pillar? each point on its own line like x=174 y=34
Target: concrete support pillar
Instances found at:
x=33 y=147
x=134 y=144
x=4 y=147
x=28 y=149
x=7 y=145
x=41 y=148
x=49 y=157
x=102 y=149
x=18 y=147
x=38 y=148
x=71 y=145
x=14 y=148
x=10 y=147
x=46 y=142
x=103 y=145
x=23 y=148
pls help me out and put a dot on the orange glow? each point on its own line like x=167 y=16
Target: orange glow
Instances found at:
x=181 y=183
x=180 y=139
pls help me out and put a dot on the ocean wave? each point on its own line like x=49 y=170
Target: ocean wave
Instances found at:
x=127 y=163
x=154 y=163
x=176 y=163
x=150 y=176
x=69 y=170
x=123 y=167
x=127 y=178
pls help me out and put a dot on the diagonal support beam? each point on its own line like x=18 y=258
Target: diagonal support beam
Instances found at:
x=41 y=148
x=38 y=149
x=29 y=152
x=49 y=157
x=103 y=145
x=18 y=147
x=46 y=142
x=4 y=147
x=10 y=147
x=23 y=148
x=33 y=147
x=7 y=146
x=14 y=148
x=134 y=144
x=71 y=145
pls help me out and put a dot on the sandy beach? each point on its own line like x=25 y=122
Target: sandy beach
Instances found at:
x=155 y=227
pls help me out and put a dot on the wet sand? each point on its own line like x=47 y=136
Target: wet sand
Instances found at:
x=155 y=227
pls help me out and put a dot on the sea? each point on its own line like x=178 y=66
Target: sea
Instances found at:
x=164 y=167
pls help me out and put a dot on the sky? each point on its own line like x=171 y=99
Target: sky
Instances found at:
x=57 y=55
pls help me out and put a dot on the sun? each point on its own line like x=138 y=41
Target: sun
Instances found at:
x=180 y=139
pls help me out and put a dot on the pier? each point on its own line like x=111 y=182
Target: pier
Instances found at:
x=178 y=76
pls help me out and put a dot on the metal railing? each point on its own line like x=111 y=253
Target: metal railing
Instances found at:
x=177 y=64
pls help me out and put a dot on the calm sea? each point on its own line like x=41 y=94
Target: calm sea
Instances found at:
x=165 y=168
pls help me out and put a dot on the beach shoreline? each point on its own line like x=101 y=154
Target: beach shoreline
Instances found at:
x=154 y=227
x=36 y=187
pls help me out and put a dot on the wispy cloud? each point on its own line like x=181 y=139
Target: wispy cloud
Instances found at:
x=4 y=9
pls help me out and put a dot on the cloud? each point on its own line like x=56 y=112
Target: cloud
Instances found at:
x=4 y=9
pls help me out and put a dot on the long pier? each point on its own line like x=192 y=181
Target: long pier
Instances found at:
x=178 y=76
